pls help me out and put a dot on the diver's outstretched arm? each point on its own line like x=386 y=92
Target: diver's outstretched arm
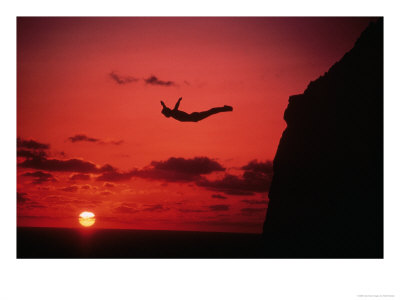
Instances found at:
x=177 y=103
x=163 y=104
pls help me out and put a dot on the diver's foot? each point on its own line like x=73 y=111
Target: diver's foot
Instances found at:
x=228 y=108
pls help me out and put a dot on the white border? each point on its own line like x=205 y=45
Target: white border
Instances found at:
x=198 y=279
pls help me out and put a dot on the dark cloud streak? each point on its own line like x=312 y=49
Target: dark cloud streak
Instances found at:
x=179 y=169
x=79 y=177
x=70 y=165
x=31 y=144
x=115 y=176
x=156 y=207
x=219 y=207
x=30 y=154
x=191 y=210
x=84 y=138
x=217 y=196
x=153 y=80
x=22 y=198
x=40 y=177
x=122 y=79
x=255 y=202
x=71 y=189
x=261 y=167
x=252 y=210
x=256 y=179
x=123 y=209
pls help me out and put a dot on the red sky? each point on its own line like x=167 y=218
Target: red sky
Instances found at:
x=87 y=77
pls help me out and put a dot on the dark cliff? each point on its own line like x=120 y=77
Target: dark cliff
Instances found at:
x=326 y=197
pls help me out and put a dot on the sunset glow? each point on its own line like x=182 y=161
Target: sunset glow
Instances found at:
x=91 y=135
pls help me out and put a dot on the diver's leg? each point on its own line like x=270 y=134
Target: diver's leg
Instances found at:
x=197 y=116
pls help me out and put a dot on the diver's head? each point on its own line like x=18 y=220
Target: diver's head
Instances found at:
x=166 y=112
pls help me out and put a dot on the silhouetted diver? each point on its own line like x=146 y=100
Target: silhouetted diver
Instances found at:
x=194 y=116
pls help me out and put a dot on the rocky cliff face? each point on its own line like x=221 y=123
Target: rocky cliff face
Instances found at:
x=326 y=197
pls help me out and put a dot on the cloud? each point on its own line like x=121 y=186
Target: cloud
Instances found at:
x=69 y=165
x=231 y=185
x=30 y=153
x=82 y=138
x=71 y=188
x=85 y=138
x=172 y=170
x=108 y=185
x=40 y=177
x=22 y=198
x=36 y=158
x=156 y=207
x=40 y=217
x=35 y=205
x=260 y=167
x=255 y=179
x=255 y=202
x=79 y=177
x=153 y=80
x=179 y=169
x=252 y=210
x=191 y=210
x=123 y=209
x=115 y=176
x=105 y=193
x=116 y=143
x=218 y=196
x=31 y=144
x=219 y=207
x=122 y=79
x=196 y=166
x=31 y=148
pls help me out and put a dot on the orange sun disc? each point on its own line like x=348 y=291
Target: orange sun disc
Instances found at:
x=87 y=218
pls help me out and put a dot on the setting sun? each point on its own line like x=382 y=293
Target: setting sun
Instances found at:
x=87 y=219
